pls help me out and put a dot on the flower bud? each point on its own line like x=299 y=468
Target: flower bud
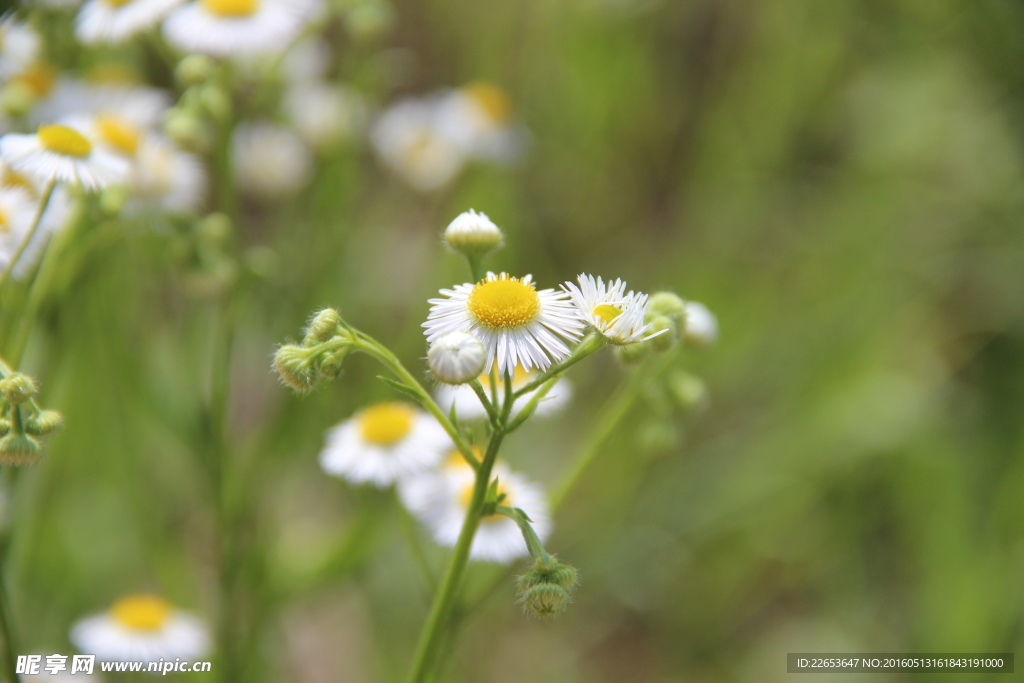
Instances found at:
x=193 y=70
x=473 y=234
x=113 y=199
x=215 y=229
x=546 y=600
x=631 y=354
x=322 y=327
x=664 y=341
x=701 y=325
x=45 y=423
x=686 y=391
x=215 y=102
x=17 y=388
x=457 y=358
x=668 y=305
x=5 y=426
x=18 y=449
x=331 y=363
x=188 y=131
x=17 y=99
x=295 y=366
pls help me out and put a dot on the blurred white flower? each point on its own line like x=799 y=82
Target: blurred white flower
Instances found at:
x=165 y=178
x=409 y=139
x=701 y=325
x=115 y=21
x=478 y=117
x=270 y=160
x=141 y=628
x=238 y=28
x=440 y=499
x=325 y=115
x=307 y=62
x=139 y=106
x=19 y=47
x=384 y=443
x=63 y=154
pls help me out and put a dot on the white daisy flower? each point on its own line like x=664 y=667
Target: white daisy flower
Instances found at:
x=383 y=444
x=238 y=28
x=115 y=21
x=63 y=154
x=270 y=160
x=701 y=325
x=516 y=323
x=141 y=628
x=478 y=117
x=617 y=315
x=325 y=115
x=140 y=106
x=19 y=47
x=440 y=498
x=410 y=141
x=468 y=407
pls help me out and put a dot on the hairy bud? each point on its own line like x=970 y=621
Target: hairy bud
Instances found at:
x=18 y=449
x=546 y=600
x=546 y=589
x=17 y=388
x=322 y=327
x=46 y=422
x=473 y=234
x=193 y=70
x=295 y=366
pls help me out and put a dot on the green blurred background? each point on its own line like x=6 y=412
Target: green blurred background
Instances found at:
x=841 y=182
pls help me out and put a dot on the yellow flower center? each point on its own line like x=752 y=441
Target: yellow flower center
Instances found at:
x=64 y=140
x=607 y=313
x=520 y=376
x=386 y=423
x=39 y=79
x=117 y=3
x=505 y=302
x=232 y=8
x=13 y=179
x=141 y=612
x=119 y=134
x=491 y=99
x=3 y=221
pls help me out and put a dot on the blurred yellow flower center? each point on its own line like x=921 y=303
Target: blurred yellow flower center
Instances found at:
x=119 y=134
x=141 y=612
x=455 y=459
x=232 y=8
x=3 y=221
x=64 y=140
x=607 y=313
x=520 y=375
x=117 y=3
x=39 y=79
x=505 y=302
x=12 y=179
x=386 y=423
x=112 y=73
x=491 y=99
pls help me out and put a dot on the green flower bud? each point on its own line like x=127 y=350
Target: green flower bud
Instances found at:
x=5 y=426
x=18 y=449
x=686 y=391
x=668 y=305
x=17 y=388
x=113 y=199
x=263 y=262
x=331 y=363
x=546 y=600
x=664 y=341
x=193 y=70
x=295 y=366
x=214 y=229
x=215 y=102
x=45 y=423
x=17 y=99
x=322 y=327
x=188 y=131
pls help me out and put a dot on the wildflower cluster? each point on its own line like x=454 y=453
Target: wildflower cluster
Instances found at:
x=23 y=424
x=498 y=349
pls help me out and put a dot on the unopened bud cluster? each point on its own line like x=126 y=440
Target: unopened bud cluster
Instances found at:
x=679 y=321
x=22 y=423
x=546 y=590
x=321 y=355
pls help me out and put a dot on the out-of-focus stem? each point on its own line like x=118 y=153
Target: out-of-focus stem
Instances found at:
x=43 y=203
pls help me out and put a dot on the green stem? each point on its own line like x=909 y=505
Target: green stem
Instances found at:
x=44 y=202
x=6 y=625
x=478 y=389
x=440 y=611
x=533 y=542
x=371 y=346
x=591 y=343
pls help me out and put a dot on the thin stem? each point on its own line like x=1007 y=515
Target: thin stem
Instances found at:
x=533 y=542
x=6 y=625
x=440 y=611
x=371 y=346
x=478 y=389
x=44 y=202
x=591 y=343
x=476 y=267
